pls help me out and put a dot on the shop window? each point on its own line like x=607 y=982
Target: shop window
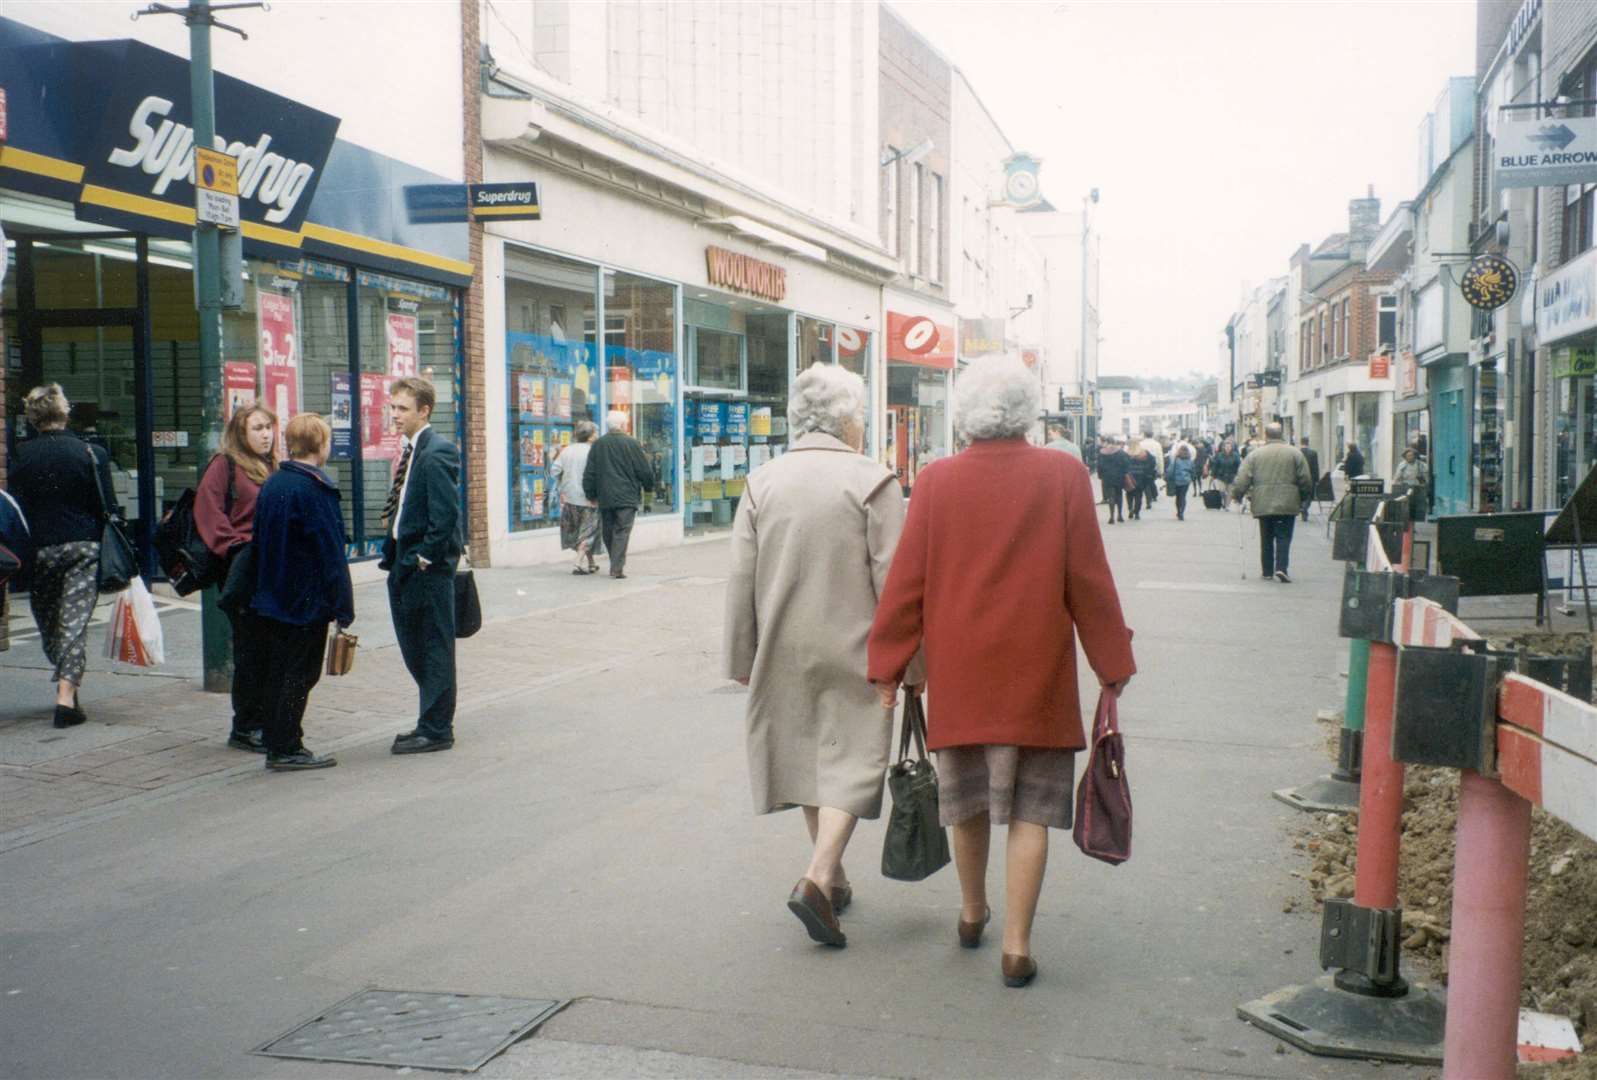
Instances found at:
x=814 y=342
x=717 y=359
x=1347 y=326
x=917 y=420
x=640 y=359
x=1386 y=322
x=551 y=361
x=1578 y=207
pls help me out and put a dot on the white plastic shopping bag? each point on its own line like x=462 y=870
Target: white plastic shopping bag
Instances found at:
x=134 y=636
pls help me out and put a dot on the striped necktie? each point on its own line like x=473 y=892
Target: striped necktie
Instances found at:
x=399 y=485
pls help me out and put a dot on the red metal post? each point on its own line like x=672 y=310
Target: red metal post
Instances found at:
x=1381 y=793
x=1486 y=955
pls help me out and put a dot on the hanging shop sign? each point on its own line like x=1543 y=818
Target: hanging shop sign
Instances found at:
x=1031 y=358
x=505 y=202
x=1380 y=365
x=1566 y=300
x=919 y=339
x=744 y=273
x=1408 y=373
x=1490 y=282
x=980 y=337
x=1532 y=153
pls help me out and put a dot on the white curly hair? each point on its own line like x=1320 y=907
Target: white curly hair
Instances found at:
x=996 y=399
x=826 y=398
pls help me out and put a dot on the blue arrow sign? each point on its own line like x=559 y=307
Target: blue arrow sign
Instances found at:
x=1557 y=137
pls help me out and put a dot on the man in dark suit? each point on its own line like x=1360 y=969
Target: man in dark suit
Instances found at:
x=1313 y=459
x=617 y=472
x=420 y=554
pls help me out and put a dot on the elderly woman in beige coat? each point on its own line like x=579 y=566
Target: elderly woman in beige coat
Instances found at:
x=811 y=545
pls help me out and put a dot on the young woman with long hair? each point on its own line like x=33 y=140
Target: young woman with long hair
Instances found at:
x=224 y=514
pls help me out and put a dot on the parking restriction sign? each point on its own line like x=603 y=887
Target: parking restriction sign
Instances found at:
x=216 y=187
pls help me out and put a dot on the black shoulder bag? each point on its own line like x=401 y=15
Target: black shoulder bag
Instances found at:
x=118 y=563
x=916 y=846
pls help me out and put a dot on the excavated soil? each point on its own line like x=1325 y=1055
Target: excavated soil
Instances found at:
x=1560 y=972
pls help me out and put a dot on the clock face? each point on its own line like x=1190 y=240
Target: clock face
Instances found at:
x=1490 y=282
x=1021 y=186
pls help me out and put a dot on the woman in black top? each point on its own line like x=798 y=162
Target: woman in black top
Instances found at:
x=58 y=479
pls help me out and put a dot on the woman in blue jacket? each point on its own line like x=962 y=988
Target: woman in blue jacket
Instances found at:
x=301 y=584
x=1178 y=478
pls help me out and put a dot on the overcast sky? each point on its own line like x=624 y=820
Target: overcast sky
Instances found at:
x=1221 y=134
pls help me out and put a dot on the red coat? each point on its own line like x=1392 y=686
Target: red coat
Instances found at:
x=1001 y=562
x=223 y=531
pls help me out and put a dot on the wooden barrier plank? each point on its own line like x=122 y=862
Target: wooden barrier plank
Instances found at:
x=1422 y=622
x=1547 y=750
x=1562 y=720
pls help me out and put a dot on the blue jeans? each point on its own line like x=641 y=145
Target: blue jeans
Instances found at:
x=1275 y=542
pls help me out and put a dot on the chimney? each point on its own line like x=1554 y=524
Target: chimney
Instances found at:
x=1363 y=220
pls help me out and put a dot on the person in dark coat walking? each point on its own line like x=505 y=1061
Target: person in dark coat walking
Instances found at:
x=1144 y=469
x=420 y=553
x=1113 y=467
x=59 y=481
x=1353 y=461
x=616 y=474
x=1313 y=458
x=1223 y=466
x=301 y=584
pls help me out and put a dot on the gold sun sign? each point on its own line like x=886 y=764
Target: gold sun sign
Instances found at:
x=1490 y=282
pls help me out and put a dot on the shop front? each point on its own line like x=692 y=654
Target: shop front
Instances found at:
x=1566 y=333
x=696 y=336
x=918 y=428
x=339 y=297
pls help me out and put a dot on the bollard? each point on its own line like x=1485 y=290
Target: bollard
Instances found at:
x=1488 y=941
x=1381 y=792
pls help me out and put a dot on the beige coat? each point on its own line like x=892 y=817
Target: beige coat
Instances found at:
x=814 y=535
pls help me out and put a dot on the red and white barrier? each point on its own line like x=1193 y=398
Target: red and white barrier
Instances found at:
x=1547 y=751
x=1422 y=622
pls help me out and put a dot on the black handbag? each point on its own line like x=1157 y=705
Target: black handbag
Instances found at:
x=468 y=608
x=119 y=564
x=916 y=846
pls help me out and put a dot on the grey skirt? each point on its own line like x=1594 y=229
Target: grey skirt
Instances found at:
x=1020 y=783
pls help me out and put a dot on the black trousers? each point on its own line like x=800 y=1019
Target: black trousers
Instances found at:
x=1275 y=541
x=1115 y=496
x=615 y=526
x=249 y=671
x=292 y=665
x=422 y=603
x=1180 y=493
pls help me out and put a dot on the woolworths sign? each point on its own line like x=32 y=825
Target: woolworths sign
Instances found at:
x=1533 y=153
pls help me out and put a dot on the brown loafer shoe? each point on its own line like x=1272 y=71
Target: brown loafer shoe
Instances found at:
x=814 y=910
x=842 y=896
x=1018 y=970
x=970 y=932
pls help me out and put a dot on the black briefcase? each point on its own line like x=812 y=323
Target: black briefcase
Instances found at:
x=468 y=608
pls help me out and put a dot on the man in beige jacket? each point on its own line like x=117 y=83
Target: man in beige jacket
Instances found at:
x=1277 y=476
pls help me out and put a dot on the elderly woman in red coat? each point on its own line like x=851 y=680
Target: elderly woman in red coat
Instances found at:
x=1000 y=566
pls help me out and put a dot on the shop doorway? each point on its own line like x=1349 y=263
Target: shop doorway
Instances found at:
x=77 y=313
x=1451 y=466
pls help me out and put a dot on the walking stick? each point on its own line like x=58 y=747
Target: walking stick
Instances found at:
x=1242 y=537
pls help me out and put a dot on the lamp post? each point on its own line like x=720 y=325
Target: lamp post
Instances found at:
x=1087 y=201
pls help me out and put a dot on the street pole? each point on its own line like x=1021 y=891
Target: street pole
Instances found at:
x=216 y=634
x=1081 y=364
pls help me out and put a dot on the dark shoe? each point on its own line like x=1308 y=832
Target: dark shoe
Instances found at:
x=814 y=910
x=68 y=716
x=416 y=743
x=580 y=572
x=1281 y=576
x=618 y=575
x=1018 y=970
x=411 y=734
x=970 y=932
x=841 y=896
x=298 y=760
x=253 y=741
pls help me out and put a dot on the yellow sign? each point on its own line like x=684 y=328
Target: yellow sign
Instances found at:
x=215 y=171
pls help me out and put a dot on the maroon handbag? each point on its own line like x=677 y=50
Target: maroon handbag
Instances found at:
x=1103 y=799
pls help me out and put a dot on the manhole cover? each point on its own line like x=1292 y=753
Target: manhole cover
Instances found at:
x=454 y=1032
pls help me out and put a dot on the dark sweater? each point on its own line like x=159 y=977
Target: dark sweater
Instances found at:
x=53 y=480
x=617 y=468
x=301 y=571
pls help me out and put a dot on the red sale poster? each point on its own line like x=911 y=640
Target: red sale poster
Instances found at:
x=279 y=345
x=379 y=438
x=281 y=394
x=238 y=386
x=401 y=344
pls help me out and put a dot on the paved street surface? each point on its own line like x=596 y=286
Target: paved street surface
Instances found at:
x=166 y=905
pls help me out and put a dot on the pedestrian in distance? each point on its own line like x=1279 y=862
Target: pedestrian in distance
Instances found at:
x=1058 y=440
x=615 y=477
x=1277 y=478
x=1144 y=474
x=579 y=518
x=1179 y=478
x=1114 y=465
x=1412 y=477
x=63 y=486
x=224 y=516
x=1155 y=451
x=1311 y=456
x=1223 y=466
x=1005 y=733
x=1352 y=462
x=420 y=553
x=1200 y=459
x=301 y=585
x=811 y=544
